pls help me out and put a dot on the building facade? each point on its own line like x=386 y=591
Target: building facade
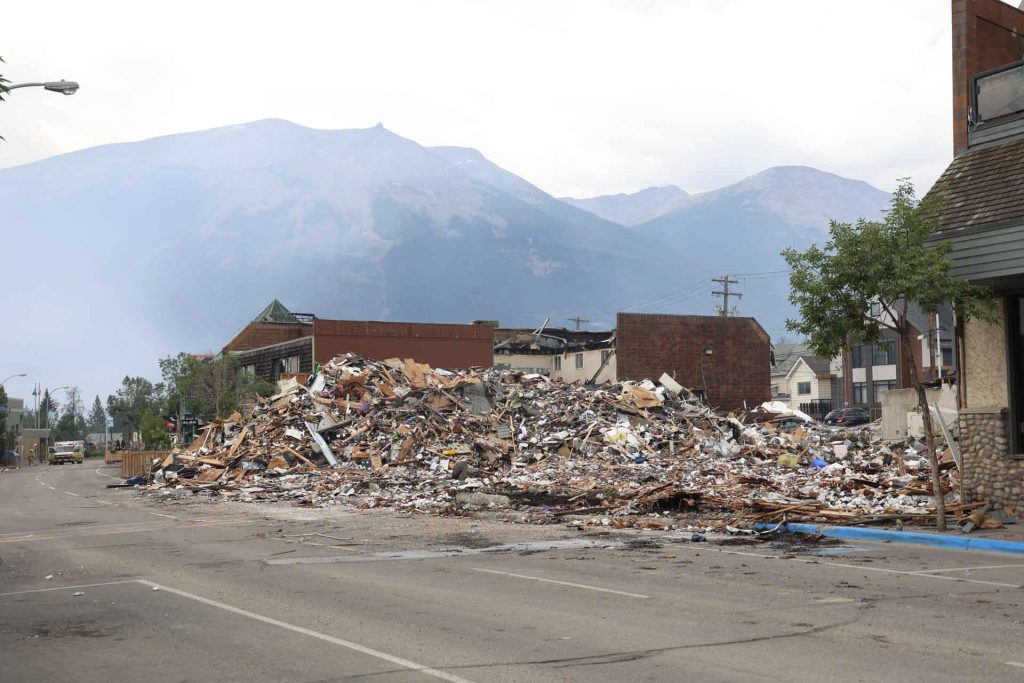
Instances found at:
x=278 y=342
x=983 y=218
x=567 y=355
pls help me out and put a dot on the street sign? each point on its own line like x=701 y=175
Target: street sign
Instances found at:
x=110 y=421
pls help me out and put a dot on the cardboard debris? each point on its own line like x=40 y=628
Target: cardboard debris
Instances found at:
x=400 y=434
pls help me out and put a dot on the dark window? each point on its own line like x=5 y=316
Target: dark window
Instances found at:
x=880 y=387
x=558 y=362
x=876 y=309
x=860 y=391
x=885 y=353
x=579 y=361
x=1015 y=370
x=947 y=356
x=857 y=357
x=803 y=387
x=604 y=355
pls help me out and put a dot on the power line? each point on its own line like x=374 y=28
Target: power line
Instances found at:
x=668 y=295
x=578 y=320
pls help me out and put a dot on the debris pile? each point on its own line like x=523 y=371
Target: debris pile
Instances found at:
x=404 y=435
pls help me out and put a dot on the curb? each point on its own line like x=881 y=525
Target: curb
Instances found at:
x=912 y=537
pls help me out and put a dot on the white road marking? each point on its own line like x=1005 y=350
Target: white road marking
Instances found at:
x=71 y=494
x=1017 y=664
x=51 y=488
x=834 y=601
x=967 y=569
x=865 y=568
x=562 y=583
x=159 y=514
x=67 y=588
x=106 y=475
x=104 y=502
x=400 y=661
x=42 y=483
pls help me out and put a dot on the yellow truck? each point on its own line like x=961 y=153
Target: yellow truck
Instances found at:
x=66 y=451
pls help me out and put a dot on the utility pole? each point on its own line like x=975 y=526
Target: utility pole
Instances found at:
x=578 y=320
x=725 y=293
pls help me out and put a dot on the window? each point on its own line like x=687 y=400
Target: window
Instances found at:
x=998 y=94
x=502 y=366
x=558 y=363
x=885 y=353
x=1015 y=371
x=579 y=361
x=803 y=388
x=248 y=372
x=857 y=357
x=860 y=391
x=604 y=356
x=775 y=390
x=947 y=356
x=875 y=309
x=879 y=387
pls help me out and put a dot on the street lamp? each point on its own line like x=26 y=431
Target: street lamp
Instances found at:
x=61 y=86
x=20 y=374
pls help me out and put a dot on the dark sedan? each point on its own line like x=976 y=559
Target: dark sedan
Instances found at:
x=848 y=417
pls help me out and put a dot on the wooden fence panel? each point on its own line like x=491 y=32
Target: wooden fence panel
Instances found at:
x=134 y=463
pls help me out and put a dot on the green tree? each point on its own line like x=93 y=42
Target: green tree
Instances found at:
x=3 y=88
x=133 y=399
x=47 y=405
x=153 y=430
x=892 y=263
x=97 y=419
x=71 y=425
x=210 y=387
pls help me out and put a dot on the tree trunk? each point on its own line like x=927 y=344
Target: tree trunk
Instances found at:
x=929 y=434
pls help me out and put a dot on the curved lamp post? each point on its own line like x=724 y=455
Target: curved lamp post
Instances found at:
x=20 y=374
x=61 y=86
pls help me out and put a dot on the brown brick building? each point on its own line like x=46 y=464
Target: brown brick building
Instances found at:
x=278 y=341
x=726 y=359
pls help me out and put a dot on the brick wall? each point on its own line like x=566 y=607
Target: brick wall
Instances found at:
x=986 y=34
x=439 y=345
x=258 y=334
x=737 y=370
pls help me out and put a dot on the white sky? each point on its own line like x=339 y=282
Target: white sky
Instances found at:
x=579 y=97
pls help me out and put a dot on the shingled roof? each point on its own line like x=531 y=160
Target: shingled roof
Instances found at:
x=983 y=187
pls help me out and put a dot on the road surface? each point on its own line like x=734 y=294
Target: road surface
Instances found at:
x=101 y=585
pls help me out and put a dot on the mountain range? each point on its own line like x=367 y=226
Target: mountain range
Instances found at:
x=127 y=252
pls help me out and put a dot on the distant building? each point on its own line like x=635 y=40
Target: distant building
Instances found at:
x=15 y=409
x=802 y=380
x=568 y=355
x=279 y=342
x=869 y=370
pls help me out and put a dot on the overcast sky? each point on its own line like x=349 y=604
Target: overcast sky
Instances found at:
x=580 y=98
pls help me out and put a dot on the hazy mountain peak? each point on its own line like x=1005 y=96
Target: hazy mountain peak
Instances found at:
x=635 y=208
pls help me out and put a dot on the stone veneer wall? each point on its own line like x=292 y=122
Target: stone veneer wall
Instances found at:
x=989 y=472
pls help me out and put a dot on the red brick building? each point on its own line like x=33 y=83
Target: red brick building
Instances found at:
x=725 y=359
x=278 y=341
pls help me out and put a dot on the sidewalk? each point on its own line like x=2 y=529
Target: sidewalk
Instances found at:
x=1009 y=540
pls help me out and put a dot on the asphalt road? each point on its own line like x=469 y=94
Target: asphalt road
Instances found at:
x=103 y=585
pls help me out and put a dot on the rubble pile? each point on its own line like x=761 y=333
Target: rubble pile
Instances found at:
x=403 y=435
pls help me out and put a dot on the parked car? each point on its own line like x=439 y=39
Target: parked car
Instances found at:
x=848 y=417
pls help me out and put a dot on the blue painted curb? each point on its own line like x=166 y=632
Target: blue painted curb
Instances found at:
x=884 y=535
